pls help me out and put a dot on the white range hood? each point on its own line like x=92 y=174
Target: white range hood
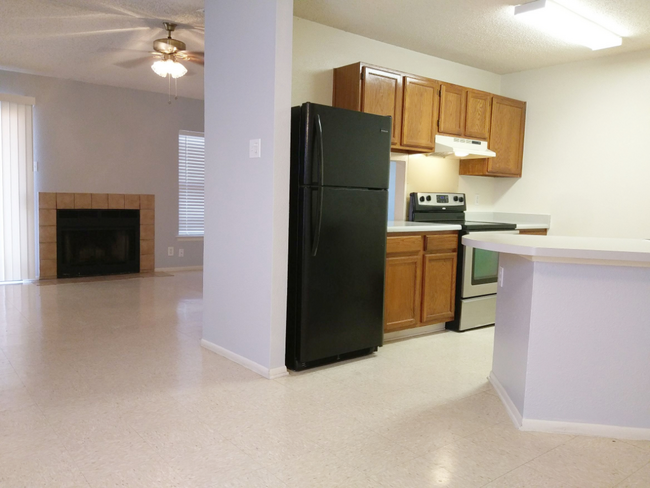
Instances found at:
x=461 y=148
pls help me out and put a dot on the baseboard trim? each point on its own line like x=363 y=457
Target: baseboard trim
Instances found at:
x=417 y=331
x=595 y=430
x=180 y=268
x=512 y=410
x=571 y=428
x=245 y=362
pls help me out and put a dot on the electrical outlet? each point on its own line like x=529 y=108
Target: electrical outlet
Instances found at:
x=181 y=253
x=477 y=199
x=500 y=278
x=170 y=251
x=255 y=148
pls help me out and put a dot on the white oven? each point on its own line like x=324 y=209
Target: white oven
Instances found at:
x=479 y=272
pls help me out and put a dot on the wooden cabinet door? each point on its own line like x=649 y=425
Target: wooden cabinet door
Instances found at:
x=507 y=136
x=402 y=295
x=382 y=95
x=439 y=287
x=420 y=113
x=478 y=114
x=452 y=109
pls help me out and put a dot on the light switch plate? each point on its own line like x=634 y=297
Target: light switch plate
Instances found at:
x=181 y=253
x=500 y=278
x=170 y=251
x=255 y=148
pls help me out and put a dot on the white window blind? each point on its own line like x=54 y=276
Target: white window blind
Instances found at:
x=17 y=228
x=191 y=186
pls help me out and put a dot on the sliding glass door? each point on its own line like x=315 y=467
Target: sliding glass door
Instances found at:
x=17 y=228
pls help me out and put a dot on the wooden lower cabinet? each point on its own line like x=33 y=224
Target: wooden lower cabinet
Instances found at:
x=439 y=287
x=534 y=232
x=420 y=279
x=402 y=296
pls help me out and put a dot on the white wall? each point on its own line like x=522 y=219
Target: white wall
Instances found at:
x=318 y=49
x=247 y=96
x=102 y=139
x=585 y=157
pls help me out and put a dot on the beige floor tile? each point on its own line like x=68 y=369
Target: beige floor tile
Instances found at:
x=592 y=461
x=507 y=437
x=420 y=472
x=475 y=461
x=640 y=479
x=92 y=394
x=527 y=477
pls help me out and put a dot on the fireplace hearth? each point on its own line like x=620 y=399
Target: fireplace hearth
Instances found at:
x=97 y=242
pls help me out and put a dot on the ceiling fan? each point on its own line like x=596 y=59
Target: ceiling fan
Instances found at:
x=168 y=54
x=169 y=51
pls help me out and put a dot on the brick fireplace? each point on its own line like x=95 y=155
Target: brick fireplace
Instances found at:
x=49 y=203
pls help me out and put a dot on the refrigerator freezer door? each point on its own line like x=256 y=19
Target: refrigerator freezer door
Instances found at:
x=344 y=148
x=343 y=258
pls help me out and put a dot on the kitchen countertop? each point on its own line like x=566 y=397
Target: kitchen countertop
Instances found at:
x=406 y=226
x=523 y=221
x=588 y=250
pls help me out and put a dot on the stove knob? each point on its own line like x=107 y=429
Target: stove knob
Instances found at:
x=456 y=198
x=421 y=199
x=461 y=199
x=428 y=198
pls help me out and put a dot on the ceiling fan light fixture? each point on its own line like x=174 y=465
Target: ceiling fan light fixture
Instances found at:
x=168 y=67
x=565 y=24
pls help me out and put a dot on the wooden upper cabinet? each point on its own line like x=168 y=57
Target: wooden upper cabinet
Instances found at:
x=420 y=112
x=478 y=115
x=452 y=109
x=381 y=94
x=372 y=90
x=507 y=136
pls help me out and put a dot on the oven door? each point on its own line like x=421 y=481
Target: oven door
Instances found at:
x=480 y=268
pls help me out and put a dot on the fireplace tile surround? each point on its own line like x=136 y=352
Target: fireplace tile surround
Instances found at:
x=49 y=203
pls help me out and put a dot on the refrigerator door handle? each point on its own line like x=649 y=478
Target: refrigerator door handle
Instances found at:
x=321 y=171
x=316 y=240
x=321 y=157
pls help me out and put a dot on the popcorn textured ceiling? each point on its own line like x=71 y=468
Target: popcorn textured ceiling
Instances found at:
x=102 y=41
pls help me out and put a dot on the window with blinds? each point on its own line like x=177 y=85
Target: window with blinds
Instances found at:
x=191 y=188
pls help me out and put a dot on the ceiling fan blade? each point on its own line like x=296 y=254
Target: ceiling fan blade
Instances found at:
x=134 y=63
x=197 y=61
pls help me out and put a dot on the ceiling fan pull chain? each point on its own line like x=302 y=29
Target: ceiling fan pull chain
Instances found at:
x=169 y=78
x=175 y=88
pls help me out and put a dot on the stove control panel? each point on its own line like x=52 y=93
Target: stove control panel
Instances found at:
x=433 y=200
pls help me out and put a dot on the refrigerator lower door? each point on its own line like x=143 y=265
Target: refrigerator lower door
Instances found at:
x=343 y=255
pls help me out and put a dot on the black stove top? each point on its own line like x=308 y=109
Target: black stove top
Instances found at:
x=448 y=208
x=484 y=226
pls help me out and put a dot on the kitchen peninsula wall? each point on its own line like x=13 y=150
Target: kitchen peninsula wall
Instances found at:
x=318 y=49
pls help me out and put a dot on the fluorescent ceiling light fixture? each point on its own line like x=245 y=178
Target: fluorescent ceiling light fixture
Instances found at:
x=566 y=24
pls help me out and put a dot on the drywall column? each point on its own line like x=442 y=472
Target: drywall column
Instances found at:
x=247 y=97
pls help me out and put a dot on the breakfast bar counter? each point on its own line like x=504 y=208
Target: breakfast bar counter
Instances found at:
x=572 y=335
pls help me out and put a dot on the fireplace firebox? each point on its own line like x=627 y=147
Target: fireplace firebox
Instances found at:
x=97 y=242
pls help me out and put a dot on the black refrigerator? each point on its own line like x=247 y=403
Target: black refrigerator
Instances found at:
x=337 y=234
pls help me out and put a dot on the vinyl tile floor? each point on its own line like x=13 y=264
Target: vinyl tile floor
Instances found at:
x=105 y=384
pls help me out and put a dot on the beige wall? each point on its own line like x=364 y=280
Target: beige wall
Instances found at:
x=585 y=156
x=318 y=49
